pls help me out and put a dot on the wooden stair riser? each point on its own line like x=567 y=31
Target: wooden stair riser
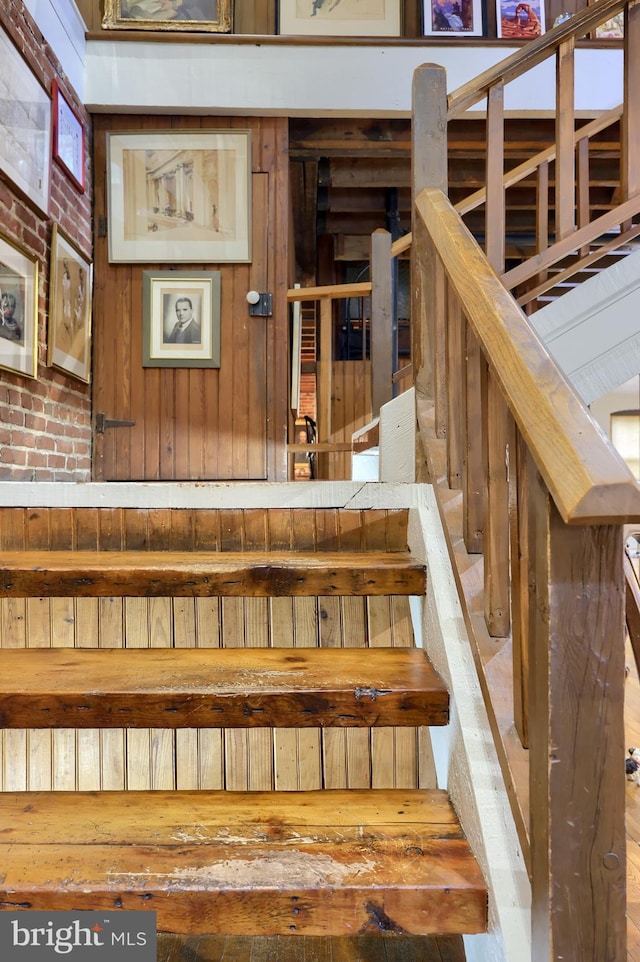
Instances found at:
x=215 y=688
x=80 y=574
x=331 y=863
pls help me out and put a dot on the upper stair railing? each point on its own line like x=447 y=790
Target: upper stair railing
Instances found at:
x=534 y=499
x=562 y=172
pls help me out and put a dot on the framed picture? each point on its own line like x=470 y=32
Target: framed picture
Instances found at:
x=18 y=310
x=69 y=335
x=211 y=15
x=68 y=138
x=453 y=18
x=179 y=196
x=25 y=126
x=519 y=21
x=181 y=319
x=612 y=29
x=340 y=18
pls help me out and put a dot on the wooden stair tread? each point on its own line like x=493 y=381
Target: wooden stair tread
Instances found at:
x=198 y=573
x=327 y=862
x=219 y=687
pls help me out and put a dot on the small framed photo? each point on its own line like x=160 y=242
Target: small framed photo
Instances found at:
x=18 y=310
x=453 y=18
x=68 y=138
x=179 y=196
x=181 y=319
x=519 y=21
x=69 y=335
x=340 y=18
x=210 y=15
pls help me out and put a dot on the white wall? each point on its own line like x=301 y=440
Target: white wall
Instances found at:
x=271 y=77
x=64 y=29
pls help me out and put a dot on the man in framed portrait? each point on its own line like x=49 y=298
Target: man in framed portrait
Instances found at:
x=10 y=324
x=186 y=329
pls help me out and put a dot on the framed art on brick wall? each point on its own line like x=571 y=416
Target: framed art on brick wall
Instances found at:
x=68 y=138
x=69 y=335
x=18 y=309
x=25 y=126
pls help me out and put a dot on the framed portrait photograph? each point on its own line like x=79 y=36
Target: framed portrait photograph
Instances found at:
x=519 y=21
x=459 y=18
x=340 y=18
x=70 y=286
x=181 y=319
x=179 y=196
x=210 y=15
x=25 y=126
x=18 y=310
x=68 y=138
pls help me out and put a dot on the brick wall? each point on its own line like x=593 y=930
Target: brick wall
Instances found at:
x=45 y=424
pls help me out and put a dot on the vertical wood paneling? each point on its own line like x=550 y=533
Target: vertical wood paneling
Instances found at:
x=255 y=759
x=197 y=423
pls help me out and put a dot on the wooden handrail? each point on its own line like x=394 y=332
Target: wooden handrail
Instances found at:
x=329 y=291
x=535 y=52
x=588 y=480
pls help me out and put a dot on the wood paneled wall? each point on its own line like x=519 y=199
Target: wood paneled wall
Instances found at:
x=211 y=758
x=194 y=424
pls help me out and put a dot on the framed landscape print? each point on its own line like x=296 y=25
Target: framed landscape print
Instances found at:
x=69 y=335
x=181 y=319
x=519 y=21
x=18 y=310
x=25 y=126
x=460 y=18
x=179 y=196
x=211 y=15
x=68 y=138
x=340 y=18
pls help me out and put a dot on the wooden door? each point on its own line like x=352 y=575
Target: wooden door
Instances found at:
x=195 y=423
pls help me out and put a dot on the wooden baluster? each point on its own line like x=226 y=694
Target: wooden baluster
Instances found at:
x=438 y=323
x=455 y=377
x=630 y=123
x=496 y=540
x=519 y=467
x=324 y=380
x=495 y=204
x=582 y=187
x=475 y=465
x=381 y=321
x=542 y=222
x=565 y=140
x=577 y=737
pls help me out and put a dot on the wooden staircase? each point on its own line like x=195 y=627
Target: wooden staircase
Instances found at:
x=326 y=862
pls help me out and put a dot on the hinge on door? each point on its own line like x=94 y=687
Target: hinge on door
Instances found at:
x=103 y=422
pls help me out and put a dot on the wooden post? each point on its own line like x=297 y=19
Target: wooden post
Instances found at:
x=577 y=782
x=565 y=140
x=496 y=540
x=630 y=123
x=429 y=169
x=495 y=204
x=381 y=321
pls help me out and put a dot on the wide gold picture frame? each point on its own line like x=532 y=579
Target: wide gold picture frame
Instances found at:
x=195 y=15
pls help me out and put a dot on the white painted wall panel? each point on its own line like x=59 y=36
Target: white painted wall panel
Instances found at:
x=64 y=29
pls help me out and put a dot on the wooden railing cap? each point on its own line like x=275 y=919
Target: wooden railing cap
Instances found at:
x=587 y=478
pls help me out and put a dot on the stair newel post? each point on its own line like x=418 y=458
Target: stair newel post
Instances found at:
x=577 y=796
x=429 y=169
x=381 y=320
